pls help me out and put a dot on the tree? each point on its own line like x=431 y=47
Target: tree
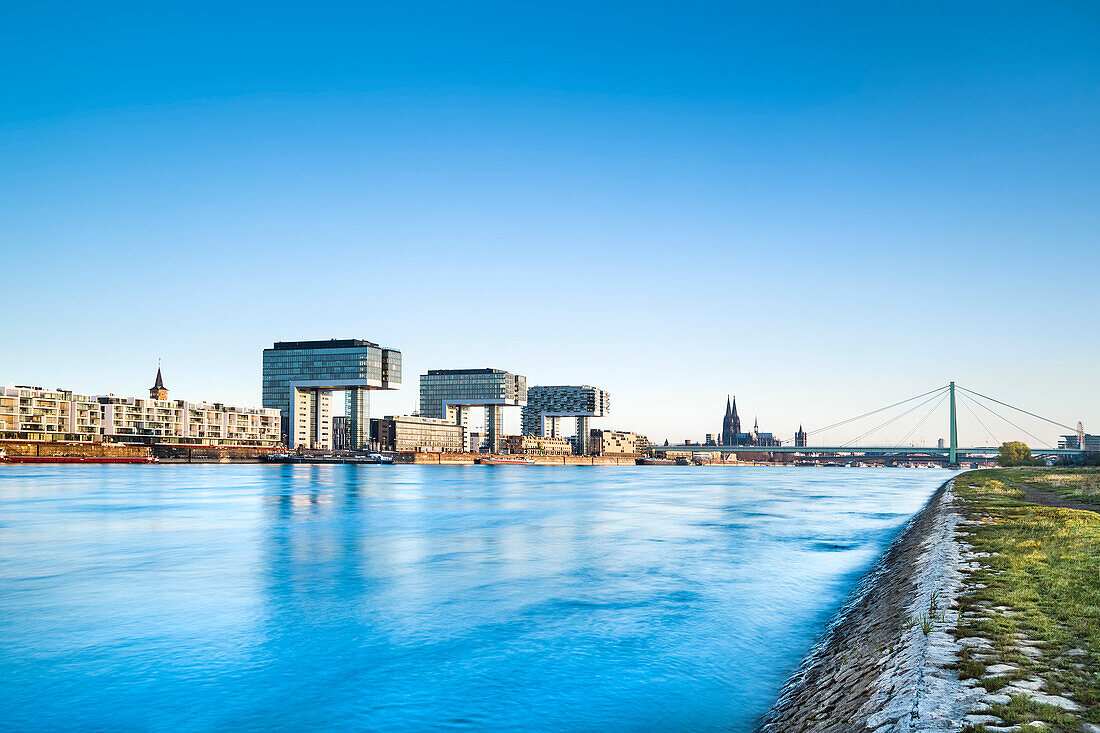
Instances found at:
x=1015 y=453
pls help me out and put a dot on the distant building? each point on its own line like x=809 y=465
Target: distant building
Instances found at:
x=450 y=393
x=403 y=433
x=478 y=441
x=613 y=442
x=800 y=438
x=731 y=423
x=34 y=413
x=731 y=430
x=537 y=445
x=341 y=433
x=1073 y=442
x=940 y=443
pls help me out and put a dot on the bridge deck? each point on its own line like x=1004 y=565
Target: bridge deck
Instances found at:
x=864 y=450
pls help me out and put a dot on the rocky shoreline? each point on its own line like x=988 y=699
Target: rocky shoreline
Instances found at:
x=889 y=662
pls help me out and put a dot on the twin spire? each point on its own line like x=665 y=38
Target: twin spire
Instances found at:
x=731 y=423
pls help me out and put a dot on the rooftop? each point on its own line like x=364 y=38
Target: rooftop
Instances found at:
x=467 y=371
x=329 y=344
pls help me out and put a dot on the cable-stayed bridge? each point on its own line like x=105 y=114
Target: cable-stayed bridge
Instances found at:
x=949 y=453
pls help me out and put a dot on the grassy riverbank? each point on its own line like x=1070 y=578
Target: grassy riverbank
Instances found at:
x=1036 y=597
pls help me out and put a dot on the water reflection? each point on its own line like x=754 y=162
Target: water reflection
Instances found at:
x=420 y=597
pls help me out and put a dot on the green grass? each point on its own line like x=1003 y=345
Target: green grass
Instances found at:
x=969 y=668
x=1079 y=484
x=1046 y=568
x=1020 y=710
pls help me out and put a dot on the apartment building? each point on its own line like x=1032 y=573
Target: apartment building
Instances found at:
x=613 y=442
x=34 y=413
x=537 y=445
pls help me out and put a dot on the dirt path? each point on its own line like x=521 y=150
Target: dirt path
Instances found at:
x=1047 y=498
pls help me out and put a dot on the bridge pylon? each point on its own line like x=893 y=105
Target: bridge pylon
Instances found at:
x=952 y=458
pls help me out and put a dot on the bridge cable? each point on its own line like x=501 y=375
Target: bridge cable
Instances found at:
x=923 y=419
x=891 y=420
x=872 y=412
x=1036 y=437
x=1046 y=419
x=989 y=432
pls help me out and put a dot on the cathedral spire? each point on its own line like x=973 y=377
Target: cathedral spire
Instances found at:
x=731 y=424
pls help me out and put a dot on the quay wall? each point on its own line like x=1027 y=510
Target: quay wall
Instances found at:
x=839 y=687
x=165 y=453
x=175 y=453
x=469 y=458
x=55 y=449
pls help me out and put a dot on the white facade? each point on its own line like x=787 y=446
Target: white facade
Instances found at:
x=33 y=413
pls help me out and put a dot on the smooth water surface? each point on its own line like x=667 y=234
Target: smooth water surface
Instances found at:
x=401 y=598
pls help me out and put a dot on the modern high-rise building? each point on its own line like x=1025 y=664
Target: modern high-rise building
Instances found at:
x=547 y=405
x=300 y=376
x=449 y=394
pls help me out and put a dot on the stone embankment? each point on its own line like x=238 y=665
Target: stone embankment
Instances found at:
x=162 y=452
x=176 y=453
x=890 y=661
x=469 y=458
x=52 y=449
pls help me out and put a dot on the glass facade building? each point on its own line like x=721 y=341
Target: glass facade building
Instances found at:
x=449 y=393
x=547 y=405
x=299 y=378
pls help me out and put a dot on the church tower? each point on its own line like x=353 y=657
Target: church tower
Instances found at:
x=157 y=391
x=731 y=424
x=800 y=438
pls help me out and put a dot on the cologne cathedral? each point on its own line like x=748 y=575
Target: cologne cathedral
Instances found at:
x=731 y=430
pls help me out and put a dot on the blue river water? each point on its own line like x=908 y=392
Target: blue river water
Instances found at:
x=408 y=598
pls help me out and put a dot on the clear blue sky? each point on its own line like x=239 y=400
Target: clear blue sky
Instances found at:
x=819 y=207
